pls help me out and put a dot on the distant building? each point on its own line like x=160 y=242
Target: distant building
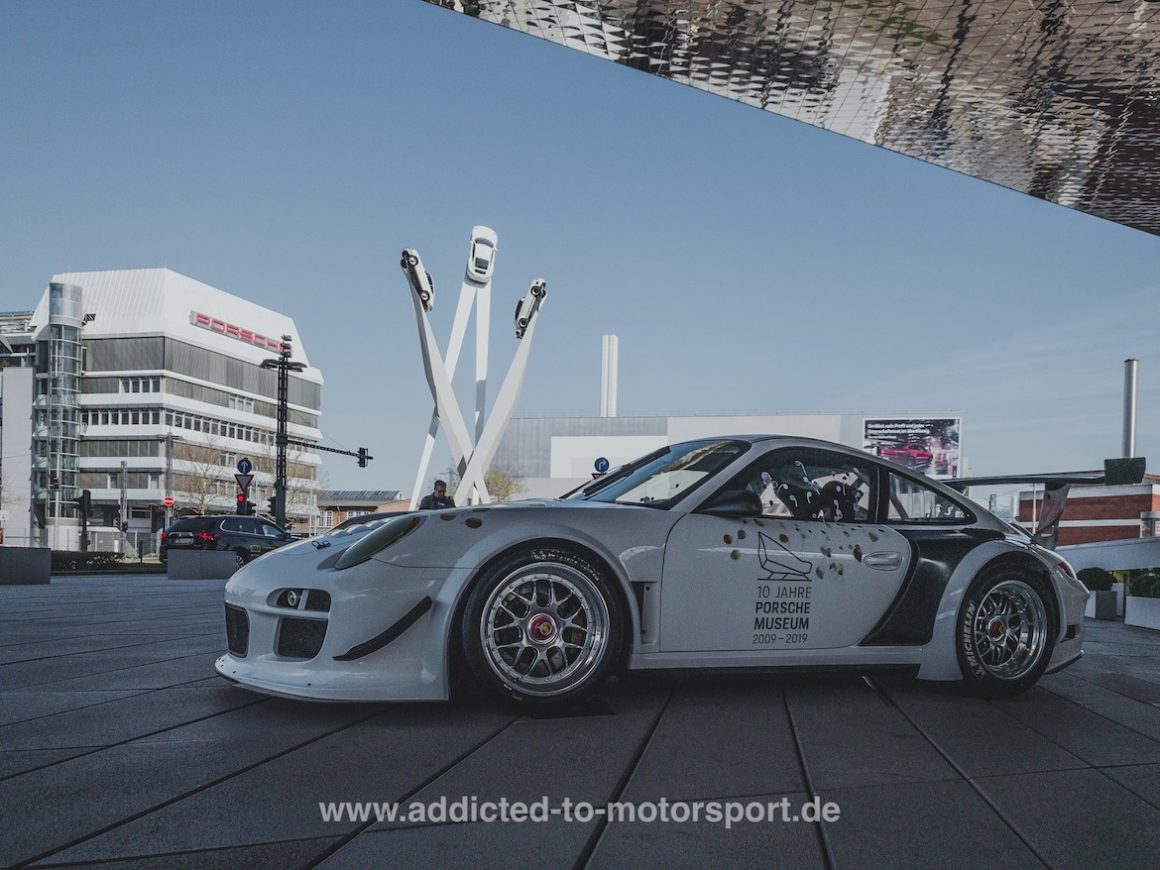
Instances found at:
x=551 y=455
x=1101 y=513
x=140 y=385
x=339 y=505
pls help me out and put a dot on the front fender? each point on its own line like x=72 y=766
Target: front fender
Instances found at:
x=624 y=568
x=940 y=660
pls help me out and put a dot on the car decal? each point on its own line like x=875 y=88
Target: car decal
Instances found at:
x=782 y=564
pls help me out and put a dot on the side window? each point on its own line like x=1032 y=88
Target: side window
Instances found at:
x=231 y=525
x=813 y=485
x=270 y=531
x=911 y=502
x=251 y=527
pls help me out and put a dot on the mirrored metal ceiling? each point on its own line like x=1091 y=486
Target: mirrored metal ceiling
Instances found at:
x=1060 y=100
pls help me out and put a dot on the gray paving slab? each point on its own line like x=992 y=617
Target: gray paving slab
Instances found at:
x=583 y=758
x=26 y=704
x=1143 y=780
x=850 y=736
x=53 y=670
x=723 y=740
x=1096 y=739
x=1138 y=683
x=920 y=825
x=297 y=853
x=1136 y=715
x=377 y=760
x=31 y=651
x=468 y=846
x=982 y=740
x=1079 y=818
x=14 y=763
x=81 y=797
x=705 y=844
x=121 y=720
x=155 y=675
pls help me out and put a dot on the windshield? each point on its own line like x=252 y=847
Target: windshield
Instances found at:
x=662 y=478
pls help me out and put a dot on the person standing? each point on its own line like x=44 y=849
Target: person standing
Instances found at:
x=437 y=499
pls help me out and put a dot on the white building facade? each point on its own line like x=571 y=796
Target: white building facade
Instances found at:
x=551 y=455
x=147 y=386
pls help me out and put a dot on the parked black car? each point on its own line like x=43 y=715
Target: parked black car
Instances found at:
x=248 y=537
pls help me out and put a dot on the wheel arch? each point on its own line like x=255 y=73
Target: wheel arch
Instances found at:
x=602 y=560
x=939 y=661
x=1026 y=561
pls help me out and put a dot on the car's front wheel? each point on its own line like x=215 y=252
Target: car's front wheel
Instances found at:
x=543 y=626
x=1005 y=632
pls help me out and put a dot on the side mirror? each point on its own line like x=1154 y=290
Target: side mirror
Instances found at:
x=733 y=503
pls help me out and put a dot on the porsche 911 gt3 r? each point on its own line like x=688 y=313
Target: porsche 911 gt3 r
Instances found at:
x=738 y=552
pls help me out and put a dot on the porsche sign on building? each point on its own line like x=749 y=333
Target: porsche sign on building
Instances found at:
x=1058 y=100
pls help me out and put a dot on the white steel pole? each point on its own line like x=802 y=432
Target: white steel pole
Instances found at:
x=501 y=413
x=440 y=385
x=458 y=331
x=482 y=339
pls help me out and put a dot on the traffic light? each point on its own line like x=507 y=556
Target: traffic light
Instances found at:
x=245 y=507
x=84 y=503
x=250 y=508
x=124 y=527
x=362 y=457
x=272 y=506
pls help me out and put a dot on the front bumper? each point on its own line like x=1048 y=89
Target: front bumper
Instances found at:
x=296 y=652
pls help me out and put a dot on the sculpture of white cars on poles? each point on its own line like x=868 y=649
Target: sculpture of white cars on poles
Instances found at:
x=470 y=455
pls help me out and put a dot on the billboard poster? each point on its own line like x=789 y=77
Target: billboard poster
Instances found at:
x=929 y=445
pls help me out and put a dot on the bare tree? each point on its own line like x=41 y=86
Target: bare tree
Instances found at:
x=503 y=483
x=301 y=478
x=199 y=484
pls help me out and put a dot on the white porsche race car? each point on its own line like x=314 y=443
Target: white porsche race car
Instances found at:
x=739 y=552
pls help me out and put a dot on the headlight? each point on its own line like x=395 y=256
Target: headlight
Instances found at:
x=390 y=532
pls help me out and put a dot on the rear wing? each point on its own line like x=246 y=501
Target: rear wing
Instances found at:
x=1056 y=486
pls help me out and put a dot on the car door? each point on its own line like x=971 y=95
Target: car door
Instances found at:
x=813 y=571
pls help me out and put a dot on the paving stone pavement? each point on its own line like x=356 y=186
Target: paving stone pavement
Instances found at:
x=119 y=748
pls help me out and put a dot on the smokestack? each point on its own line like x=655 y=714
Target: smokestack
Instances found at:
x=1130 y=368
x=610 y=360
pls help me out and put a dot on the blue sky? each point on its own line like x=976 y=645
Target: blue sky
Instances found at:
x=287 y=152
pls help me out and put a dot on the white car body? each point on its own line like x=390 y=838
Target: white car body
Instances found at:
x=481 y=255
x=419 y=278
x=527 y=307
x=699 y=589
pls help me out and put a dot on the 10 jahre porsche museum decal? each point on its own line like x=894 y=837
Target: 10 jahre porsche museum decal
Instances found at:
x=784 y=594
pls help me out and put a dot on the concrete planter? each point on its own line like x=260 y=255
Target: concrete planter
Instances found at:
x=1144 y=612
x=1101 y=605
x=20 y=566
x=201 y=564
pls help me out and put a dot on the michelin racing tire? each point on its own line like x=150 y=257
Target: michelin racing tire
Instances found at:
x=1005 y=633
x=542 y=627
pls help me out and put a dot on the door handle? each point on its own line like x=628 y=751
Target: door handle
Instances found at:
x=883 y=561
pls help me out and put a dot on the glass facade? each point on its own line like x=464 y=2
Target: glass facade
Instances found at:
x=56 y=405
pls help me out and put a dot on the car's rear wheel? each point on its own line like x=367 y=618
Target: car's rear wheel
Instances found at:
x=543 y=626
x=241 y=557
x=1006 y=632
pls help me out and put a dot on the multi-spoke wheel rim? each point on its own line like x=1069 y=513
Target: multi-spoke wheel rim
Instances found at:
x=1010 y=629
x=545 y=628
